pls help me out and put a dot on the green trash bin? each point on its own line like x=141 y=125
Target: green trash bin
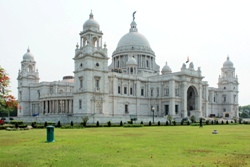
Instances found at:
x=50 y=133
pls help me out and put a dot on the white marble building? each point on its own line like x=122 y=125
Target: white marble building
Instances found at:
x=131 y=86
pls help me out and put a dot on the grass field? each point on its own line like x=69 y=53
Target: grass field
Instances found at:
x=182 y=146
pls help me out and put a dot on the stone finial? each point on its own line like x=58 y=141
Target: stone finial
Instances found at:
x=77 y=46
x=191 y=65
x=183 y=66
x=105 y=45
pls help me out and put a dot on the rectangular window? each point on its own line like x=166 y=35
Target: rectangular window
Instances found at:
x=80 y=83
x=126 y=109
x=142 y=92
x=152 y=92
x=131 y=91
x=119 y=90
x=166 y=109
x=97 y=83
x=224 y=99
x=38 y=93
x=234 y=98
x=176 y=109
x=158 y=92
x=125 y=90
x=167 y=92
x=176 y=92
x=80 y=104
x=157 y=108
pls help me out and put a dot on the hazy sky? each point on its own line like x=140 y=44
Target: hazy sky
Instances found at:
x=205 y=30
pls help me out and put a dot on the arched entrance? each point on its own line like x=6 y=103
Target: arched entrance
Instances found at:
x=191 y=99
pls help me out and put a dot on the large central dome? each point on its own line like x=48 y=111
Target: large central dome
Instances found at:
x=133 y=39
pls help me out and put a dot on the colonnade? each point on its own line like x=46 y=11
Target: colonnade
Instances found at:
x=56 y=106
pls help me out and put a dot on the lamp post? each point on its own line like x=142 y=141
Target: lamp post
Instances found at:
x=153 y=110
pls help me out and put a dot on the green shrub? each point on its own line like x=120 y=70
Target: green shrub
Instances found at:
x=58 y=124
x=39 y=126
x=71 y=123
x=130 y=122
x=159 y=123
x=174 y=123
x=109 y=123
x=5 y=126
x=142 y=122
x=195 y=124
x=97 y=124
x=19 y=122
x=22 y=126
x=132 y=125
x=149 y=124
x=166 y=123
x=192 y=118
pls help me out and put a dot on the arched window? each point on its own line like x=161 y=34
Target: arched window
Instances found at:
x=131 y=70
x=147 y=63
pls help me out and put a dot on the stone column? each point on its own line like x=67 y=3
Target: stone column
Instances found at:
x=67 y=106
x=184 y=99
x=172 y=98
x=200 y=100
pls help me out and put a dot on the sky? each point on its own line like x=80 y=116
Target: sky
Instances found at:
x=205 y=30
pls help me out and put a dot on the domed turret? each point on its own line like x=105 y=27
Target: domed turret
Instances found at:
x=166 y=69
x=28 y=56
x=91 y=24
x=228 y=63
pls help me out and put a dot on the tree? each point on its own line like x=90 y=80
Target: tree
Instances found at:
x=244 y=115
x=169 y=118
x=8 y=102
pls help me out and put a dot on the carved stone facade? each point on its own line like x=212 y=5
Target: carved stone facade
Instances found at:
x=131 y=86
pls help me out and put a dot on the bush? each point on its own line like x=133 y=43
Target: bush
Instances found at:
x=59 y=124
x=222 y=122
x=97 y=124
x=22 y=126
x=85 y=120
x=149 y=124
x=188 y=123
x=212 y=122
x=195 y=124
x=142 y=122
x=45 y=124
x=174 y=123
x=71 y=123
x=207 y=122
x=39 y=126
x=130 y=122
x=16 y=121
x=109 y=123
x=192 y=118
x=166 y=123
x=132 y=125
x=5 y=126
x=159 y=123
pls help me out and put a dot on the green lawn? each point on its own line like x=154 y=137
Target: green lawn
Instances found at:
x=117 y=146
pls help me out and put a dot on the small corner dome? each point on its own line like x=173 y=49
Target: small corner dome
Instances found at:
x=28 y=55
x=131 y=61
x=228 y=63
x=166 y=69
x=91 y=24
